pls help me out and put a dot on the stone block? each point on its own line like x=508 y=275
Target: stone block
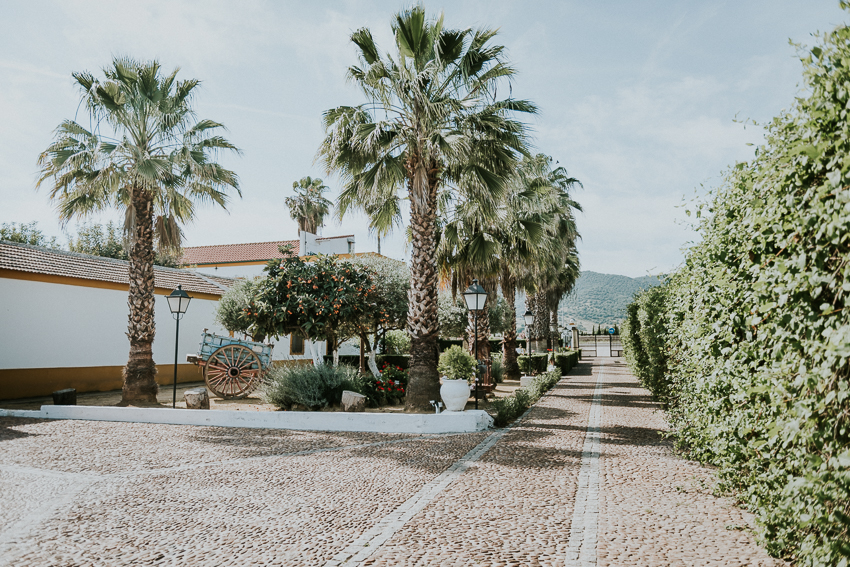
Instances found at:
x=197 y=398
x=526 y=380
x=67 y=397
x=352 y=401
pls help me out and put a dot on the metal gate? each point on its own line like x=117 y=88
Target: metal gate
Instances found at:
x=600 y=345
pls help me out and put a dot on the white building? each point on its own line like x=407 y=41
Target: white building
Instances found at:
x=63 y=321
x=248 y=260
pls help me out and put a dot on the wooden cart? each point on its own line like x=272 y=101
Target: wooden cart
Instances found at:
x=233 y=368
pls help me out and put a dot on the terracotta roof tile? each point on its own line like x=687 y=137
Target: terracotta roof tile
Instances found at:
x=38 y=260
x=223 y=253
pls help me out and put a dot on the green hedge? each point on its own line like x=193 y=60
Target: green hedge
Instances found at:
x=533 y=363
x=511 y=407
x=566 y=361
x=749 y=341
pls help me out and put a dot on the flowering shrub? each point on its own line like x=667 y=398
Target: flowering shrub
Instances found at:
x=388 y=389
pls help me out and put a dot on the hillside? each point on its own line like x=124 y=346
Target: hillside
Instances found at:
x=601 y=298
x=598 y=299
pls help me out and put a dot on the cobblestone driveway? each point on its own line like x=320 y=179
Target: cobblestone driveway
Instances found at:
x=584 y=479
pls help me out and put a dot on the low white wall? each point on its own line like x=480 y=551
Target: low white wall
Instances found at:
x=446 y=422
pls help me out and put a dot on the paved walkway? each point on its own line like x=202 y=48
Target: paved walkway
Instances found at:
x=583 y=479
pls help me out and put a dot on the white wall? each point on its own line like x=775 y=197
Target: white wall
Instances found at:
x=250 y=271
x=47 y=325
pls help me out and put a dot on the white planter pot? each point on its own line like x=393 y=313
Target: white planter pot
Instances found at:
x=455 y=393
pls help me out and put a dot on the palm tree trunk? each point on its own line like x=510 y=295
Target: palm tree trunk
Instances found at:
x=554 y=325
x=140 y=372
x=422 y=324
x=538 y=334
x=509 y=345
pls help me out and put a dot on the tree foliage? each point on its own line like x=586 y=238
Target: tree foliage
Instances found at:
x=108 y=241
x=309 y=206
x=27 y=233
x=755 y=328
x=312 y=298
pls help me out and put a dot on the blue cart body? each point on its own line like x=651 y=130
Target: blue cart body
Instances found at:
x=211 y=342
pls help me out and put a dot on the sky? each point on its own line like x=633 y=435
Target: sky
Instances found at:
x=646 y=103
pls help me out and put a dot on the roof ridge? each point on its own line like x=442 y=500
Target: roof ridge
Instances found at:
x=239 y=244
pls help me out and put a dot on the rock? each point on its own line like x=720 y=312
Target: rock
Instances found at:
x=352 y=401
x=67 y=397
x=197 y=398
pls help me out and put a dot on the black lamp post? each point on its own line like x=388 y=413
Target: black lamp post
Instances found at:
x=529 y=321
x=178 y=303
x=475 y=297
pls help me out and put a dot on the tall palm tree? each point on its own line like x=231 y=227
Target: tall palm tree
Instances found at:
x=309 y=206
x=432 y=120
x=146 y=154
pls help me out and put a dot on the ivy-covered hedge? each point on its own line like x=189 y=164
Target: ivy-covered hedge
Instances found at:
x=533 y=363
x=749 y=342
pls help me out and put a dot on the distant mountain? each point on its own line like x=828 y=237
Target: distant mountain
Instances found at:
x=597 y=299
x=601 y=299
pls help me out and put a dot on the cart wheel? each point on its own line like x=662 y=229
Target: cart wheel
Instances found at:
x=233 y=371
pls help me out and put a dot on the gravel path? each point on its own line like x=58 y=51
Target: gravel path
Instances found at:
x=76 y=493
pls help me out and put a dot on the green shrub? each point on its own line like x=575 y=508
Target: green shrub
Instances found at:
x=456 y=364
x=533 y=363
x=511 y=407
x=644 y=341
x=497 y=371
x=566 y=361
x=314 y=387
x=402 y=360
x=397 y=342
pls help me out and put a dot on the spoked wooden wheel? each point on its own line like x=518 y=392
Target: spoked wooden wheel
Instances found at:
x=233 y=371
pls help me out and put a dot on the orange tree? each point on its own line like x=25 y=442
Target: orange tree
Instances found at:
x=314 y=298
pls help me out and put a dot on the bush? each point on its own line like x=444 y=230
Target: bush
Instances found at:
x=566 y=361
x=456 y=364
x=397 y=342
x=533 y=363
x=644 y=341
x=511 y=407
x=230 y=311
x=314 y=387
x=497 y=371
x=402 y=360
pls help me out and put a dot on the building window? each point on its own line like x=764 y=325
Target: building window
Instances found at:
x=296 y=344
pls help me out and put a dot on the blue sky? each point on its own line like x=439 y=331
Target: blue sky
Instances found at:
x=637 y=99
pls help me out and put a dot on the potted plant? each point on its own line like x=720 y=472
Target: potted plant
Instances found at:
x=457 y=367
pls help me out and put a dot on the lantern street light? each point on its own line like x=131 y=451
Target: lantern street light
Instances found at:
x=475 y=297
x=529 y=321
x=178 y=303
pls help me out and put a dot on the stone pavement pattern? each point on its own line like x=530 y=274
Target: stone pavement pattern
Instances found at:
x=76 y=493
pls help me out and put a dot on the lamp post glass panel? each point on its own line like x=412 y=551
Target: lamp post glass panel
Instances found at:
x=178 y=303
x=475 y=297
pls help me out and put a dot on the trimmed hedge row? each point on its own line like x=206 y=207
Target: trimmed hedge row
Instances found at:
x=566 y=361
x=511 y=407
x=748 y=343
x=533 y=363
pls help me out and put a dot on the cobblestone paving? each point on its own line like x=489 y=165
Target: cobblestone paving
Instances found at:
x=76 y=493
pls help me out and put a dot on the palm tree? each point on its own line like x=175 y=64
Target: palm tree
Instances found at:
x=146 y=154
x=432 y=120
x=309 y=206
x=556 y=269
